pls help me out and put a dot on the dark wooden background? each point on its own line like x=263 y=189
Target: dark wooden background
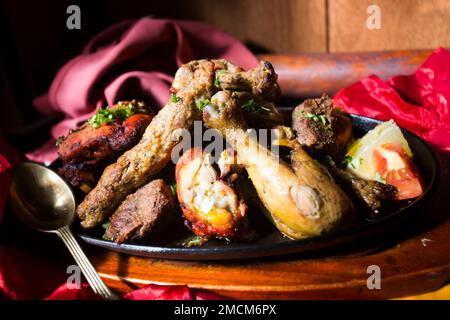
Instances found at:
x=36 y=42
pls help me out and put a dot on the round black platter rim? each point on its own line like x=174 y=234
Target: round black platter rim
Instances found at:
x=251 y=250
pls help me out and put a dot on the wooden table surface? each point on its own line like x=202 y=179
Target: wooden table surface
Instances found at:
x=413 y=259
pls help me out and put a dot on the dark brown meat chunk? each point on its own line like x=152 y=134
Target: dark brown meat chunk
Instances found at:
x=87 y=151
x=320 y=128
x=150 y=208
x=369 y=193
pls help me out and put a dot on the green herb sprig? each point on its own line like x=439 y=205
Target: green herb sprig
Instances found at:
x=174 y=98
x=60 y=140
x=217 y=80
x=121 y=112
x=252 y=106
x=315 y=117
x=193 y=241
x=201 y=104
x=348 y=160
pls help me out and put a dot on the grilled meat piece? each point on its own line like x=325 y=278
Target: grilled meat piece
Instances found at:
x=150 y=208
x=370 y=193
x=85 y=152
x=320 y=128
x=210 y=205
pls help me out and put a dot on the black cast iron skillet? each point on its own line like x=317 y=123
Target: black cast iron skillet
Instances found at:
x=269 y=242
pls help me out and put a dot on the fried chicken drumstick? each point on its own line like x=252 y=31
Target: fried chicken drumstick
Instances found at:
x=303 y=201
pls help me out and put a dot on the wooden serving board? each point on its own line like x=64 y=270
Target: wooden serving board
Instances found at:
x=413 y=259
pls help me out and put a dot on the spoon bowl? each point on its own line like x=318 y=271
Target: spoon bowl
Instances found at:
x=44 y=201
x=41 y=198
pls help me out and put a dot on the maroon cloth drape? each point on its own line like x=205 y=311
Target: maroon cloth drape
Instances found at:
x=130 y=60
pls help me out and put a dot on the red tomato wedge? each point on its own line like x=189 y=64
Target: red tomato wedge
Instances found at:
x=393 y=164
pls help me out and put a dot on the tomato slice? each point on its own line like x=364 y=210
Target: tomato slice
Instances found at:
x=407 y=183
x=393 y=164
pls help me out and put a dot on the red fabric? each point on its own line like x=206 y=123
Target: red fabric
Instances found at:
x=132 y=59
x=419 y=102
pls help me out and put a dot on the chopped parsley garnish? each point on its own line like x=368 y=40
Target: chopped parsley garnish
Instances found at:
x=201 y=104
x=122 y=111
x=193 y=241
x=348 y=161
x=314 y=117
x=106 y=224
x=60 y=140
x=174 y=98
x=217 y=82
x=252 y=106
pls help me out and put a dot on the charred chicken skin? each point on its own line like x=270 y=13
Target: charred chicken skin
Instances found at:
x=210 y=205
x=85 y=152
x=321 y=129
x=302 y=201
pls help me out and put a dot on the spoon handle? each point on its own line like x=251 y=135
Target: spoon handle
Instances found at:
x=86 y=267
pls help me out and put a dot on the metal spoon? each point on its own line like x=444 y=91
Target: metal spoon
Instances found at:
x=44 y=201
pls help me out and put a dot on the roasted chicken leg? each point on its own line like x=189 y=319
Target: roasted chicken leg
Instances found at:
x=303 y=202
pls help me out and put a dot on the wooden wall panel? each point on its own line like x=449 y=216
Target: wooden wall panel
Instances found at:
x=286 y=26
x=405 y=24
x=279 y=26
